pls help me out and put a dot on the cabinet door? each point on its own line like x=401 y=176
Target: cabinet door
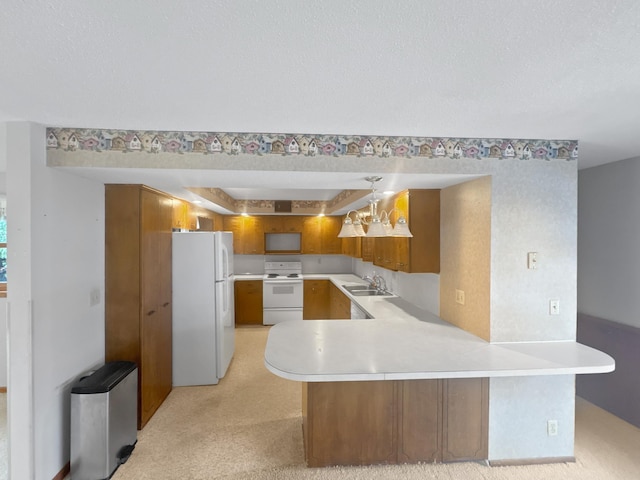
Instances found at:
x=155 y=315
x=311 y=242
x=420 y=421
x=248 y=302
x=253 y=236
x=316 y=300
x=424 y=223
x=292 y=223
x=384 y=251
x=339 y=304
x=331 y=244
x=350 y=423
x=352 y=247
x=234 y=223
x=368 y=245
x=273 y=224
x=465 y=419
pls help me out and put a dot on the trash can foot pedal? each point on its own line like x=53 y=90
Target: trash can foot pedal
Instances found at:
x=125 y=453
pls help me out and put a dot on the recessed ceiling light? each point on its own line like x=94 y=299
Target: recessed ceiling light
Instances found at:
x=388 y=192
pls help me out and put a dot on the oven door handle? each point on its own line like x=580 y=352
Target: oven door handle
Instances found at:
x=283 y=282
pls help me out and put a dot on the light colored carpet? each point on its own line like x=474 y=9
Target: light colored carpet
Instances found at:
x=249 y=428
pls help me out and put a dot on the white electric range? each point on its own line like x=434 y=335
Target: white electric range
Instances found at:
x=282 y=292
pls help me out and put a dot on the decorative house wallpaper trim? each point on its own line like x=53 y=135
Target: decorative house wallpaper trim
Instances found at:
x=265 y=144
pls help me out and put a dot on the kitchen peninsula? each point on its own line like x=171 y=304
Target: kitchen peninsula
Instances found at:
x=405 y=386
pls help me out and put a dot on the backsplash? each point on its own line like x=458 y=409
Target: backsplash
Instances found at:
x=254 y=264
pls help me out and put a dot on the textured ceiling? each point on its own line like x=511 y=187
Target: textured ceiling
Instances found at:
x=549 y=69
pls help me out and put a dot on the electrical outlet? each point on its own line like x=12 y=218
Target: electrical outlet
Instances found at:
x=552 y=428
x=460 y=297
x=532 y=260
x=554 y=307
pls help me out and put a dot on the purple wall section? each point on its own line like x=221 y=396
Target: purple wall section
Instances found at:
x=617 y=392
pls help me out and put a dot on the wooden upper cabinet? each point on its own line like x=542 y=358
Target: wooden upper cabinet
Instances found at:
x=311 y=235
x=331 y=243
x=234 y=224
x=417 y=254
x=282 y=224
x=352 y=246
x=367 y=247
x=421 y=253
x=291 y=224
x=320 y=235
x=253 y=234
x=248 y=234
x=273 y=224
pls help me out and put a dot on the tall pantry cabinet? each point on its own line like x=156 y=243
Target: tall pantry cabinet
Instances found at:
x=138 y=288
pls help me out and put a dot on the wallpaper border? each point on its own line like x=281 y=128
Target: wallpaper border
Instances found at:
x=309 y=145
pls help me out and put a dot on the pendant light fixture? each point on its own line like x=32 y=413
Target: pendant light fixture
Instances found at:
x=378 y=224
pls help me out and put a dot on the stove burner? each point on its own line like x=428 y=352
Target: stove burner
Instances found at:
x=272 y=275
x=292 y=275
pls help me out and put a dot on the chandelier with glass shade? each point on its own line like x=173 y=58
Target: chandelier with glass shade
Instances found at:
x=378 y=223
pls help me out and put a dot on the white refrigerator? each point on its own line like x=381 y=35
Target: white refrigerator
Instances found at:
x=203 y=312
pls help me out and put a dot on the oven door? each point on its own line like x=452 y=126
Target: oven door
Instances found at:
x=282 y=294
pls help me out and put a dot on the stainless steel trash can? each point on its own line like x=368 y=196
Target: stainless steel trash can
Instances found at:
x=104 y=409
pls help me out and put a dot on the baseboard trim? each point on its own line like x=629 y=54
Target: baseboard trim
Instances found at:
x=64 y=472
x=3 y=389
x=530 y=461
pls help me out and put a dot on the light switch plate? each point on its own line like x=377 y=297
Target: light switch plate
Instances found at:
x=94 y=297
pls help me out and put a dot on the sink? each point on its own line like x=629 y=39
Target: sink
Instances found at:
x=365 y=291
x=353 y=288
x=370 y=293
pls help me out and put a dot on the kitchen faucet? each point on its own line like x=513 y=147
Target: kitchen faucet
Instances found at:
x=376 y=282
x=380 y=283
x=371 y=280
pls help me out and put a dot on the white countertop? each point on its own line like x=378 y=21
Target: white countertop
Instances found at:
x=248 y=276
x=404 y=342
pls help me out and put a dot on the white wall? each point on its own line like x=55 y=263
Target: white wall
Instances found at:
x=3 y=301
x=608 y=240
x=534 y=209
x=58 y=221
x=518 y=413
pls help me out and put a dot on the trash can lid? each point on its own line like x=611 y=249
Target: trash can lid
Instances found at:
x=103 y=379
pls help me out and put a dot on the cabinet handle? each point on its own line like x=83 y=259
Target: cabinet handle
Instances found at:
x=165 y=304
x=151 y=312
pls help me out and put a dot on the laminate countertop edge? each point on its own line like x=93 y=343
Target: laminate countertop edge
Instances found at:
x=404 y=342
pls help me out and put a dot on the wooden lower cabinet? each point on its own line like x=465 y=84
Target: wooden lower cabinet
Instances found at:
x=465 y=416
x=350 y=423
x=420 y=421
x=316 y=300
x=248 y=302
x=339 y=304
x=404 y=421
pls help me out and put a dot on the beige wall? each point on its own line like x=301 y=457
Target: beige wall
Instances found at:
x=465 y=255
